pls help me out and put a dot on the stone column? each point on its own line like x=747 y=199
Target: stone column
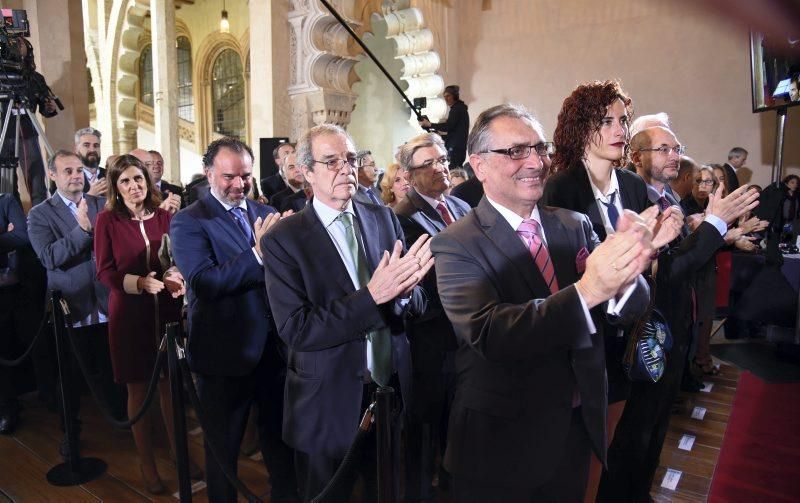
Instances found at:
x=60 y=56
x=165 y=86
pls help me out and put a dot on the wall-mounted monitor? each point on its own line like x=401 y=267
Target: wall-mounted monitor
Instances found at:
x=774 y=71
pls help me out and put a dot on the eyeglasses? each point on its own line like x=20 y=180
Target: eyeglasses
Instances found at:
x=710 y=183
x=443 y=161
x=665 y=150
x=369 y=165
x=518 y=152
x=338 y=164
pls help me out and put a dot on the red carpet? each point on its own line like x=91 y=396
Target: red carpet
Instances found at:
x=760 y=458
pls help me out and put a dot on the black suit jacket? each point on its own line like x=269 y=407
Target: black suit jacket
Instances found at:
x=432 y=334
x=470 y=191
x=324 y=321
x=271 y=185
x=457 y=128
x=172 y=189
x=572 y=190
x=279 y=199
x=523 y=350
x=101 y=173
x=196 y=190
x=731 y=180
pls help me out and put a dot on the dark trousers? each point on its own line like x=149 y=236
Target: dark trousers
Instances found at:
x=315 y=471
x=568 y=483
x=226 y=402
x=633 y=455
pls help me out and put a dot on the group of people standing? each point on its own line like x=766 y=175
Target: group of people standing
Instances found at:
x=505 y=355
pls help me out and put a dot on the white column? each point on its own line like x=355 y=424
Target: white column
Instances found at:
x=261 y=85
x=165 y=86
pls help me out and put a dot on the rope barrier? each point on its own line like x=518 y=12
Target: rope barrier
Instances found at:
x=14 y=363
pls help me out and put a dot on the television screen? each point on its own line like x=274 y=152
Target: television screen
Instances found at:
x=775 y=71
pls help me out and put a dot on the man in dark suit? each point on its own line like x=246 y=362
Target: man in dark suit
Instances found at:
x=156 y=169
x=634 y=453
x=736 y=159
x=525 y=299
x=61 y=233
x=233 y=346
x=366 y=191
x=427 y=210
x=294 y=178
x=87 y=146
x=339 y=305
x=470 y=191
x=456 y=127
x=273 y=184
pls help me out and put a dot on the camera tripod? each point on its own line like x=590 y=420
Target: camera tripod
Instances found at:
x=17 y=105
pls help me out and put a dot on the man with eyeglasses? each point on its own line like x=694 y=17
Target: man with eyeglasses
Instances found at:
x=367 y=192
x=340 y=286
x=635 y=450
x=427 y=210
x=526 y=298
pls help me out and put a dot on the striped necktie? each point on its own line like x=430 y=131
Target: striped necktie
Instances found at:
x=530 y=232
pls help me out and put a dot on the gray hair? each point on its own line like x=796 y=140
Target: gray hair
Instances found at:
x=303 y=149
x=406 y=152
x=360 y=155
x=647 y=121
x=86 y=130
x=60 y=154
x=480 y=137
x=736 y=152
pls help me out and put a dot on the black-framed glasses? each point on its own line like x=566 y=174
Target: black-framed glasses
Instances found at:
x=709 y=183
x=665 y=150
x=442 y=161
x=518 y=152
x=338 y=164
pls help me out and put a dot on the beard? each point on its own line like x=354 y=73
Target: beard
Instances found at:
x=90 y=160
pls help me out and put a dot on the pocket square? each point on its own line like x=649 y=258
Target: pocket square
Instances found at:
x=580 y=260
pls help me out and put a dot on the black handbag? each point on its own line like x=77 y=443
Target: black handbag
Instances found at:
x=645 y=356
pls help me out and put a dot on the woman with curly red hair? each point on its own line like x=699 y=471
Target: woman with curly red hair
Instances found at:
x=592 y=145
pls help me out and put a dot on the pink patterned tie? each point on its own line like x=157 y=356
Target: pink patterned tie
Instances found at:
x=529 y=230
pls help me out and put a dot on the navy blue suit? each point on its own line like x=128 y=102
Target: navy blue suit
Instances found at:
x=232 y=341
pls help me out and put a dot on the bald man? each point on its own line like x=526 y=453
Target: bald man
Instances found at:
x=170 y=194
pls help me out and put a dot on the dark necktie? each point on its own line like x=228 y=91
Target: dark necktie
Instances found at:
x=663 y=203
x=241 y=219
x=372 y=197
x=529 y=230
x=445 y=214
x=380 y=340
x=611 y=208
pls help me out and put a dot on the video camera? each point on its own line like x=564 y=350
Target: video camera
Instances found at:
x=419 y=104
x=18 y=77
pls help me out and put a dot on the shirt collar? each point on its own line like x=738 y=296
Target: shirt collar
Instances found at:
x=653 y=194
x=67 y=202
x=512 y=218
x=242 y=204
x=328 y=215
x=612 y=187
x=433 y=202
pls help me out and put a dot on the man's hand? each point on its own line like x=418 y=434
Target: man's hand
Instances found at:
x=422 y=250
x=745 y=243
x=98 y=187
x=149 y=283
x=394 y=275
x=694 y=221
x=10 y=227
x=260 y=227
x=669 y=226
x=50 y=107
x=732 y=206
x=174 y=282
x=424 y=123
x=82 y=216
x=748 y=225
x=732 y=235
x=172 y=203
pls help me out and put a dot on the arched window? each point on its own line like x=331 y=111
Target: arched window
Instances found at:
x=146 y=75
x=185 y=99
x=227 y=95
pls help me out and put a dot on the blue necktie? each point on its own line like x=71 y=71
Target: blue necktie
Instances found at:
x=371 y=195
x=241 y=219
x=613 y=214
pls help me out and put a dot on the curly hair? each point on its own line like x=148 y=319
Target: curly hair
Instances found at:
x=580 y=118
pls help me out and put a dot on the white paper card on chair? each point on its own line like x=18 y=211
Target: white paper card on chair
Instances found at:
x=686 y=443
x=671 y=479
x=699 y=413
x=707 y=387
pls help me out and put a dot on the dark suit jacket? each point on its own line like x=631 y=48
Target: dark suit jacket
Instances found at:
x=731 y=180
x=432 y=334
x=324 y=322
x=295 y=202
x=196 y=190
x=572 y=190
x=101 y=173
x=271 y=185
x=173 y=189
x=522 y=350
x=470 y=191
x=229 y=317
x=362 y=196
x=278 y=200
x=457 y=128
x=65 y=250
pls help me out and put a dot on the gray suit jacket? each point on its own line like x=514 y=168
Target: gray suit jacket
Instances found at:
x=65 y=250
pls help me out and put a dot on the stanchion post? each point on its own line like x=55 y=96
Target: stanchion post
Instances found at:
x=179 y=414
x=76 y=470
x=383 y=424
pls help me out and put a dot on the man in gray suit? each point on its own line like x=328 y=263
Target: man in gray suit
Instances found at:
x=366 y=192
x=60 y=231
x=427 y=210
